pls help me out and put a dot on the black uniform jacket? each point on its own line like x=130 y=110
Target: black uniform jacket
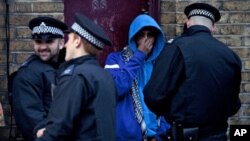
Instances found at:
x=84 y=104
x=195 y=81
x=31 y=94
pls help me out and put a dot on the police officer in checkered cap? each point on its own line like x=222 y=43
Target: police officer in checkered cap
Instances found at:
x=196 y=81
x=84 y=108
x=34 y=81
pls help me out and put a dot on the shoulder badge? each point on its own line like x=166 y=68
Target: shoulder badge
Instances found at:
x=69 y=70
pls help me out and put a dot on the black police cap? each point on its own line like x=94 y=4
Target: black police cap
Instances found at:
x=90 y=31
x=203 y=9
x=44 y=28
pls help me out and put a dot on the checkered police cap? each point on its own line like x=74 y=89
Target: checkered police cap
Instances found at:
x=203 y=9
x=47 y=27
x=90 y=31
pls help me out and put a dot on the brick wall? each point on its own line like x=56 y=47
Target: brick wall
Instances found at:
x=233 y=29
x=3 y=82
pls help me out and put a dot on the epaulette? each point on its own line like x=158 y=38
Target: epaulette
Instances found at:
x=27 y=62
x=69 y=70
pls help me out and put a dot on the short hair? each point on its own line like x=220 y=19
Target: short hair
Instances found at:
x=201 y=20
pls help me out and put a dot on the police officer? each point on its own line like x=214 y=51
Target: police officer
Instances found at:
x=32 y=84
x=196 y=81
x=84 y=106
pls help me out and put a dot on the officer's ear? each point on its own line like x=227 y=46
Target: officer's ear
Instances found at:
x=77 y=40
x=187 y=23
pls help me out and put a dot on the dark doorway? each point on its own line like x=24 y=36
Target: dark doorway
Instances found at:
x=114 y=16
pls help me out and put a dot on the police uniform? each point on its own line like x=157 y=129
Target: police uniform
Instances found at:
x=32 y=83
x=84 y=106
x=198 y=89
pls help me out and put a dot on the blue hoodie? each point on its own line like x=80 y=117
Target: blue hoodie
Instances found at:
x=127 y=127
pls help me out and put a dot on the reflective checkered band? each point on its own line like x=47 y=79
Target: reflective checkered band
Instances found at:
x=201 y=12
x=43 y=28
x=76 y=27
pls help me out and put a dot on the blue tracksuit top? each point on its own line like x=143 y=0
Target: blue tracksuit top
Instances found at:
x=127 y=127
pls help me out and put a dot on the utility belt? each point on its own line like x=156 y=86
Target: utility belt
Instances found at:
x=178 y=133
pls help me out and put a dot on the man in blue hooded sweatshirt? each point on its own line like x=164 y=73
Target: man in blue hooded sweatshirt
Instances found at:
x=131 y=69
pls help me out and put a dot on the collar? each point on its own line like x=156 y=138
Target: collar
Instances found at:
x=196 y=29
x=80 y=60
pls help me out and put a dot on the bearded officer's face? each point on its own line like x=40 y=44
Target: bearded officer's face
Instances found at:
x=48 y=49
